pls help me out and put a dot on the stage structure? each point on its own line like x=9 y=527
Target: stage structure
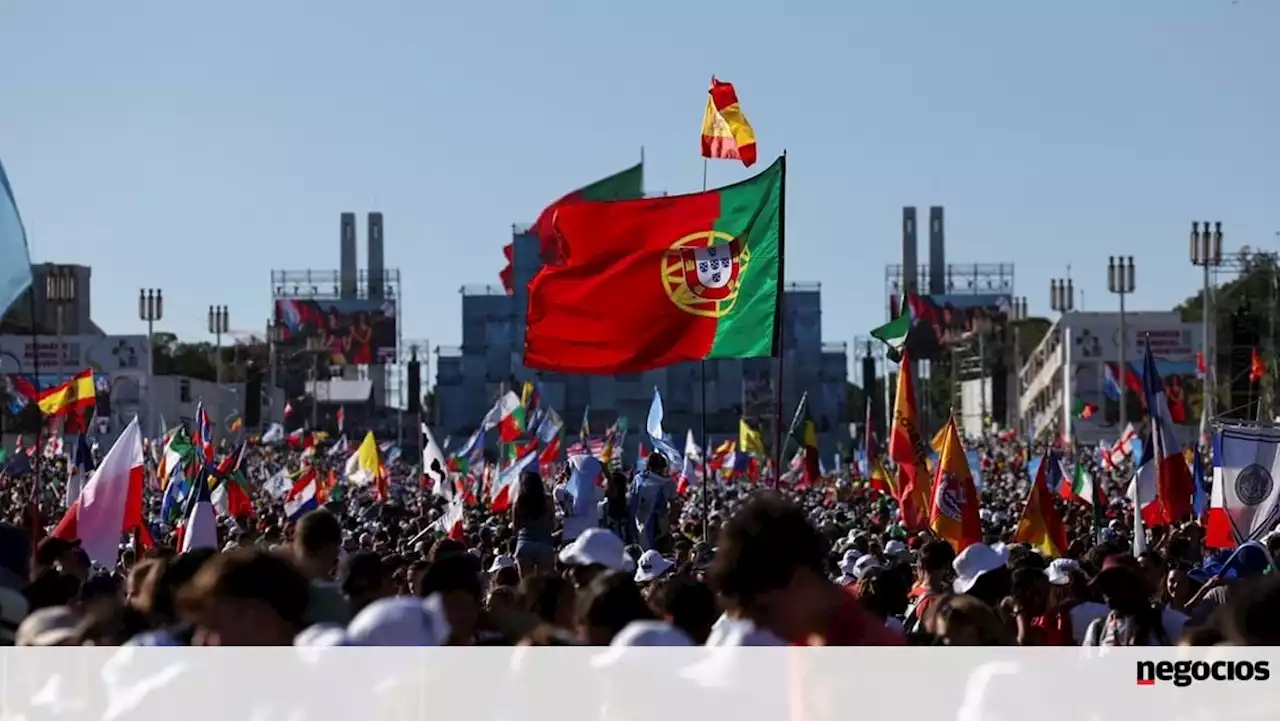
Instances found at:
x=968 y=307
x=342 y=323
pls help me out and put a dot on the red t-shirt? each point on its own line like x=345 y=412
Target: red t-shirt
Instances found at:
x=852 y=625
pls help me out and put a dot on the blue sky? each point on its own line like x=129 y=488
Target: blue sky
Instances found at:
x=195 y=147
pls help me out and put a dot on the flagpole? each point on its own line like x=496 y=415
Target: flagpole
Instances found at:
x=777 y=320
x=37 y=523
x=706 y=442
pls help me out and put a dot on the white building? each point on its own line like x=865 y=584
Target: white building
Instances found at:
x=1070 y=368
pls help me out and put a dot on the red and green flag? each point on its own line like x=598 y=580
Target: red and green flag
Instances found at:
x=648 y=283
x=626 y=185
x=1085 y=411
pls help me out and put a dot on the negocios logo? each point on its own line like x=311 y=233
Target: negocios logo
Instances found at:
x=1184 y=673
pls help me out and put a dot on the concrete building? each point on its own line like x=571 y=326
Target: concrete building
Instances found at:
x=469 y=377
x=1078 y=358
x=69 y=341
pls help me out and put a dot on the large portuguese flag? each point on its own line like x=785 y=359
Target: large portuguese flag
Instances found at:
x=647 y=283
x=625 y=185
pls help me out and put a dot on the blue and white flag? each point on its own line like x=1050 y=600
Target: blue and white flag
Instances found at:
x=15 y=260
x=661 y=439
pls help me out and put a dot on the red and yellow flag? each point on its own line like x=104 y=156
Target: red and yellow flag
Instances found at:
x=953 y=515
x=1040 y=526
x=73 y=396
x=726 y=134
x=906 y=448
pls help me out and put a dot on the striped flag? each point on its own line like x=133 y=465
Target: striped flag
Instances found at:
x=726 y=134
x=1173 y=479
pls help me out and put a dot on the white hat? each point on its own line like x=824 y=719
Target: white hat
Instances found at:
x=641 y=633
x=851 y=557
x=896 y=548
x=972 y=562
x=651 y=566
x=400 y=621
x=596 y=547
x=1059 y=571
x=52 y=626
x=501 y=562
x=864 y=564
x=321 y=634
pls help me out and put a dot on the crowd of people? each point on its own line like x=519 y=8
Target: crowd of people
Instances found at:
x=792 y=565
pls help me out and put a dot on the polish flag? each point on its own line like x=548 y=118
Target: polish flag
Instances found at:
x=110 y=503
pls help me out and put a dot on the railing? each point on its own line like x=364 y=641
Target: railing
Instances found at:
x=835 y=347
x=476 y=289
x=802 y=286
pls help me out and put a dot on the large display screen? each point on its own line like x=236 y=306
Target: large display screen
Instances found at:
x=944 y=320
x=355 y=332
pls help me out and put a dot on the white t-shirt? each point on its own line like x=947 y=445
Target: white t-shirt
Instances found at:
x=739 y=632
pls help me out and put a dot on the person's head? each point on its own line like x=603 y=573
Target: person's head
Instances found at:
x=1249 y=618
x=1122 y=584
x=457 y=579
x=246 y=597
x=364 y=578
x=616 y=487
x=161 y=603
x=502 y=598
x=53 y=552
x=936 y=557
x=550 y=598
x=506 y=577
x=656 y=464
x=1031 y=589
x=963 y=620
x=317 y=543
x=686 y=603
x=1178 y=585
x=770 y=565
x=981 y=572
x=417 y=570
x=531 y=498
x=1154 y=568
x=141 y=582
x=606 y=607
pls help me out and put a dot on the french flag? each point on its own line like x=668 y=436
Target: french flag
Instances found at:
x=1174 y=487
x=302 y=497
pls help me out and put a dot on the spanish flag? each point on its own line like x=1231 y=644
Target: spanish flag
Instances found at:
x=953 y=515
x=73 y=396
x=726 y=134
x=749 y=440
x=1040 y=526
x=906 y=449
x=807 y=435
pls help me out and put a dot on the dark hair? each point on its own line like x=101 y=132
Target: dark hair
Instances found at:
x=936 y=555
x=506 y=577
x=318 y=530
x=531 y=497
x=252 y=574
x=541 y=594
x=689 y=603
x=762 y=546
x=615 y=494
x=452 y=573
x=612 y=601
x=657 y=463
